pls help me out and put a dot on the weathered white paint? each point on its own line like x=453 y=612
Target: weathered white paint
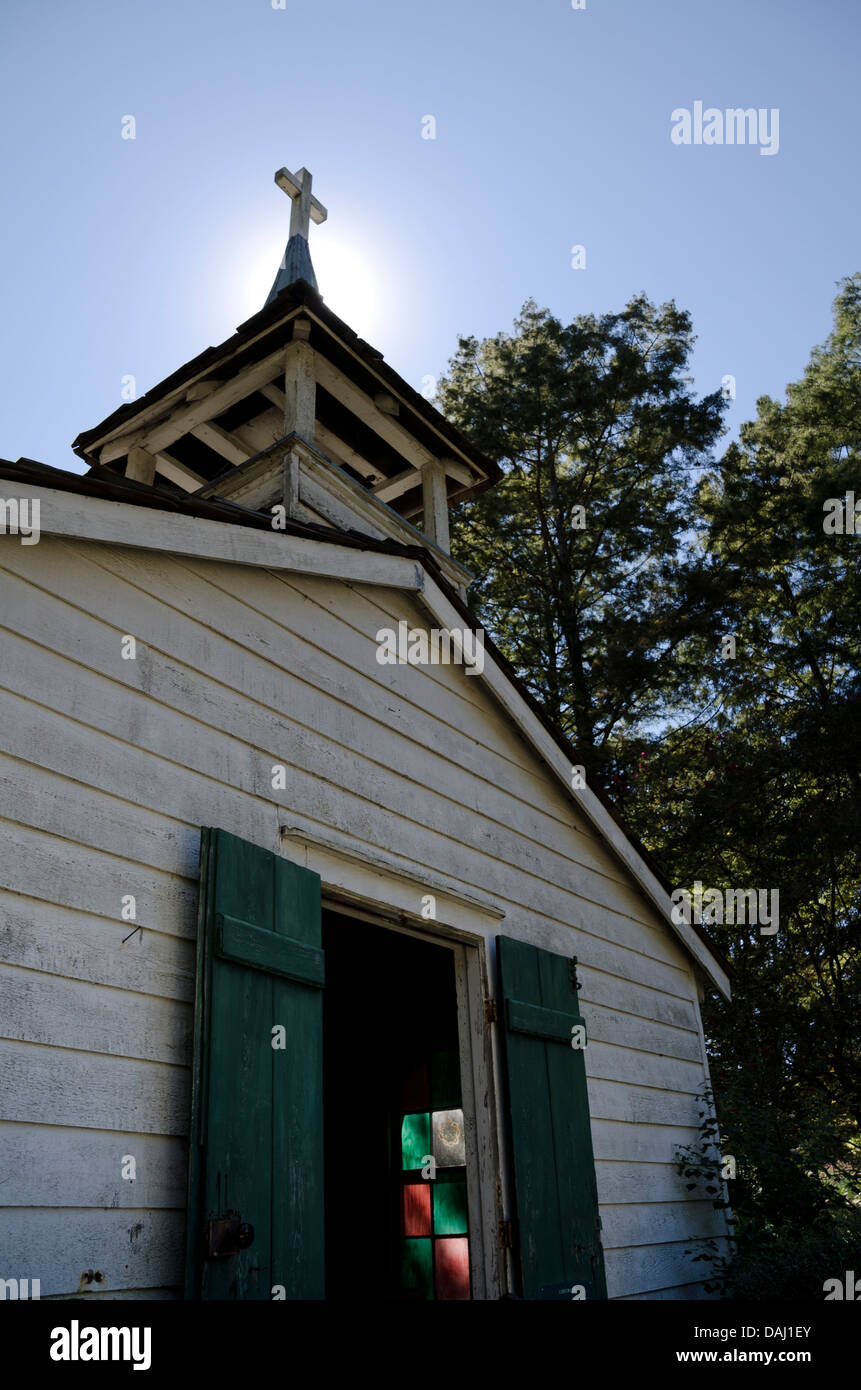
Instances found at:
x=304 y=208
x=161 y=433
x=140 y=466
x=94 y=518
x=331 y=493
x=132 y=1249
x=300 y=388
x=400 y=779
x=435 y=504
x=224 y=443
x=399 y=573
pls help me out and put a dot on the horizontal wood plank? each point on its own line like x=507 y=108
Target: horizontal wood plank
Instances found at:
x=57 y=1012
x=131 y=1249
x=48 y=1085
x=636 y=1223
x=61 y=941
x=54 y=1166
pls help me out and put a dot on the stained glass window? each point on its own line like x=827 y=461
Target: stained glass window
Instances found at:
x=434 y=1217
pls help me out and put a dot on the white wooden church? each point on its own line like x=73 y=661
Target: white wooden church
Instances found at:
x=322 y=974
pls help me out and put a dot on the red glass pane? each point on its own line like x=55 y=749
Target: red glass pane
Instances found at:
x=416 y=1209
x=451 y=1267
x=416 y=1091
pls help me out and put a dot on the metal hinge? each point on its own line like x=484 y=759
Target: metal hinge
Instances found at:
x=504 y=1235
x=491 y=1013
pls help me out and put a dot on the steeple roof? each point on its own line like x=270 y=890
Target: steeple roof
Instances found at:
x=296 y=261
x=295 y=265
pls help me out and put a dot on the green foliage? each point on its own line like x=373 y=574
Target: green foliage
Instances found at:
x=741 y=772
x=796 y=1219
x=596 y=414
x=766 y=790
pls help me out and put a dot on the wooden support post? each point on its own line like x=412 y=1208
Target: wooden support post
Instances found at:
x=435 y=503
x=140 y=466
x=290 y=497
x=300 y=384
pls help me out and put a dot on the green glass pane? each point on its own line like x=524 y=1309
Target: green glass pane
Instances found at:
x=445 y=1081
x=449 y=1208
x=417 y=1267
x=415 y=1140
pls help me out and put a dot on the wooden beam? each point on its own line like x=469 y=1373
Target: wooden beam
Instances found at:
x=261 y=432
x=225 y=444
x=146 y=528
x=199 y=390
x=178 y=473
x=366 y=366
x=390 y=488
x=140 y=466
x=274 y=394
x=341 y=452
x=161 y=410
x=329 y=442
x=300 y=390
x=290 y=483
x=362 y=405
x=459 y=471
x=385 y=425
x=435 y=505
x=182 y=421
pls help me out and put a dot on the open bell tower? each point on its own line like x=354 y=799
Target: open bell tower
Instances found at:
x=296 y=410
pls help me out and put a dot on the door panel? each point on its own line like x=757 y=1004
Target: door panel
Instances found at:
x=557 y=1244
x=256 y=1147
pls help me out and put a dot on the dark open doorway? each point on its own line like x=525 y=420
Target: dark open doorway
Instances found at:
x=395 y=1164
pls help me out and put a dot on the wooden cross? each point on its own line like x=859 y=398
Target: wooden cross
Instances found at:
x=305 y=207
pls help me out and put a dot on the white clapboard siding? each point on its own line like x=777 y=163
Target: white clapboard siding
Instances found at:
x=644 y=1034
x=621 y=1181
x=643 y=1268
x=684 y=1292
x=62 y=1167
x=157 y=673
x=80 y=946
x=52 y=1086
x=641 y=1105
x=56 y=1012
x=640 y=1142
x=235 y=663
x=130 y=1248
x=108 y=770
x=645 y=1001
x=90 y=880
x=33 y=732
x=636 y=1223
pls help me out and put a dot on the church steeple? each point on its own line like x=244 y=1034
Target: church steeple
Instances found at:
x=296 y=261
x=296 y=411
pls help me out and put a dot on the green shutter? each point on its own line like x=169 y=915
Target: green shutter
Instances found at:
x=556 y=1236
x=256 y=1145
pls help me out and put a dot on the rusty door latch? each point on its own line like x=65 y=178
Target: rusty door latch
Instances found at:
x=227 y=1235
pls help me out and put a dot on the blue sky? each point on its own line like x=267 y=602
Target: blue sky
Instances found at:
x=127 y=257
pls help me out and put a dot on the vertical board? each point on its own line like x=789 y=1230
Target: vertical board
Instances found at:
x=256 y=1147
x=557 y=1243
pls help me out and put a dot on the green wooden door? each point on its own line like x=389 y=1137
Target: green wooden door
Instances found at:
x=556 y=1239
x=256 y=1145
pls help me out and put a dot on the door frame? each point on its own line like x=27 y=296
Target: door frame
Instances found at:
x=469 y=952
